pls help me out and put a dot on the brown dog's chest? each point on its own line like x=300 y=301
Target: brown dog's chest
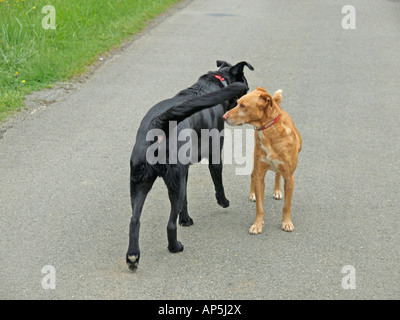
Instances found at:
x=267 y=153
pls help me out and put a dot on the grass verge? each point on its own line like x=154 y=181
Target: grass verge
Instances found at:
x=33 y=57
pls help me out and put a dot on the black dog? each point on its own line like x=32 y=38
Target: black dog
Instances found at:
x=199 y=107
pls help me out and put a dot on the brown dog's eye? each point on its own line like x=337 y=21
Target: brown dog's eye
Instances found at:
x=241 y=106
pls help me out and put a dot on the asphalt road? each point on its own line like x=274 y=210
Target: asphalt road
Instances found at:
x=64 y=170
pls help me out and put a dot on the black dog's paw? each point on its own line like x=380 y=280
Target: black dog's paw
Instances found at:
x=132 y=261
x=177 y=248
x=221 y=199
x=186 y=221
x=223 y=202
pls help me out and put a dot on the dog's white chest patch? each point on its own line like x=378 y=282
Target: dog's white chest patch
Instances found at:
x=270 y=159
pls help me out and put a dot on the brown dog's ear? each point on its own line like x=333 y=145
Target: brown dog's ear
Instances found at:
x=278 y=96
x=261 y=89
x=265 y=99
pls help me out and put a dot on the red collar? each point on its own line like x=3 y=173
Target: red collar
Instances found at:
x=220 y=78
x=269 y=124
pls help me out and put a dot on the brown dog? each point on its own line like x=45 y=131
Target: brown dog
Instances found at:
x=277 y=146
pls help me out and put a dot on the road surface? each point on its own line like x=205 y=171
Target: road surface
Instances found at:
x=64 y=170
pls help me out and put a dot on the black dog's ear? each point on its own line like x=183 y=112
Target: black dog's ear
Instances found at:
x=238 y=68
x=222 y=64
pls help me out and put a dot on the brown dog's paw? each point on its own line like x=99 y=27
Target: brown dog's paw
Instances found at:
x=256 y=228
x=287 y=226
x=252 y=197
x=277 y=195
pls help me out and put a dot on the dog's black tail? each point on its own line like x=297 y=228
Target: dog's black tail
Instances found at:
x=187 y=108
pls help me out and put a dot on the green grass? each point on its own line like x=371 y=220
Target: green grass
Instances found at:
x=32 y=58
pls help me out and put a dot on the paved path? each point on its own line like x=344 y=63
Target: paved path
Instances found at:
x=64 y=171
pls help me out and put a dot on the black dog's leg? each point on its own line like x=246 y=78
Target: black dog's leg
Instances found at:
x=176 y=184
x=216 y=175
x=138 y=196
x=184 y=219
x=215 y=167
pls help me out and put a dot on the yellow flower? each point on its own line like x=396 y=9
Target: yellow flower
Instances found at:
x=16 y=72
x=23 y=81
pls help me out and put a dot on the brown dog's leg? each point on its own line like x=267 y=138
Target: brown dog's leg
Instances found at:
x=260 y=169
x=252 y=187
x=287 y=224
x=277 y=187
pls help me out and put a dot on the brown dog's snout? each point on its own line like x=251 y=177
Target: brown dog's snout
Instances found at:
x=225 y=116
